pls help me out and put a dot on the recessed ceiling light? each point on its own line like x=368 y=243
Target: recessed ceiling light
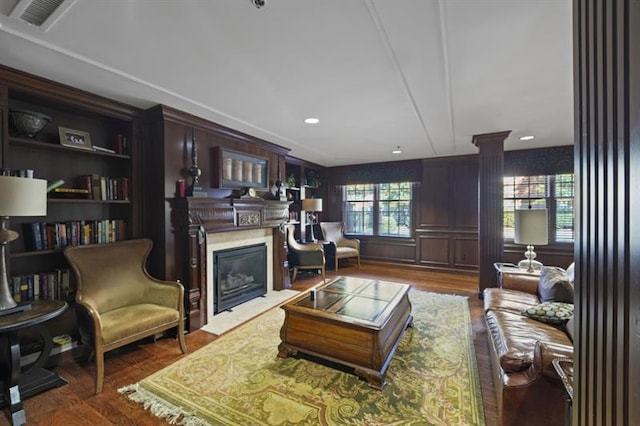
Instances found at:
x=527 y=138
x=311 y=120
x=397 y=150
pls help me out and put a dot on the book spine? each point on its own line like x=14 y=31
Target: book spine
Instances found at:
x=96 y=190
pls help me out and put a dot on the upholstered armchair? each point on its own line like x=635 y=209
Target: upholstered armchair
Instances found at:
x=118 y=302
x=337 y=246
x=304 y=256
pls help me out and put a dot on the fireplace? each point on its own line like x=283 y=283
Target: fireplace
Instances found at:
x=240 y=274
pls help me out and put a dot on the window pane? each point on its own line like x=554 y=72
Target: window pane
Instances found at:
x=358 y=209
x=564 y=191
x=394 y=209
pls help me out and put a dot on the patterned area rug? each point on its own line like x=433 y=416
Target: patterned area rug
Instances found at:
x=239 y=380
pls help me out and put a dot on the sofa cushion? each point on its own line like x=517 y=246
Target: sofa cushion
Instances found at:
x=556 y=313
x=514 y=338
x=508 y=300
x=554 y=286
x=569 y=327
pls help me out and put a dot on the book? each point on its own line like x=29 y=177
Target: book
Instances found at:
x=33 y=236
x=95 y=183
x=103 y=149
x=69 y=193
x=54 y=184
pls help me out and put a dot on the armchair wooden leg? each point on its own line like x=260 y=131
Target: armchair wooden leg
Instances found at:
x=336 y=262
x=295 y=273
x=99 y=354
x=181 y=340
x=358 y=261
x=324 y=279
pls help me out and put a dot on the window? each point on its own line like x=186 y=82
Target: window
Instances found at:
x=554 y=192
x=378 y=209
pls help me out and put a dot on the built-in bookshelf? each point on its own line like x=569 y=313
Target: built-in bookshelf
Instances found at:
x=304 y=180
x=94 y=188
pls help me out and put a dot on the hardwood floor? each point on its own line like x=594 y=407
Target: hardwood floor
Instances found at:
x=76 y=404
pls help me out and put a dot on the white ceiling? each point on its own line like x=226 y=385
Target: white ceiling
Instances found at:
x=424 y=75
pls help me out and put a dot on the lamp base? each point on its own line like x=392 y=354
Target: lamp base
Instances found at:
x=529 y=264
x=18 y=308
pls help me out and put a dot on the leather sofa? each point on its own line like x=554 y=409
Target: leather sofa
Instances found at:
x=528 y=390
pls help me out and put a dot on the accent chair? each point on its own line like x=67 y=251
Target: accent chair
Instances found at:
x=304 y=256
x=118 y=302
x=337 y=245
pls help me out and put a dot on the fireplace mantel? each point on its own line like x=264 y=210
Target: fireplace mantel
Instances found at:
x=195 y=218
x=229 y=214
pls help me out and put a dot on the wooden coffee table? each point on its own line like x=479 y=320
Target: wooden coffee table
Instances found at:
x=350 y=321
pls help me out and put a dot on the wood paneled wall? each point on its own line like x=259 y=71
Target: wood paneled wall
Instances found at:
x=447 y=219
x=607 y=145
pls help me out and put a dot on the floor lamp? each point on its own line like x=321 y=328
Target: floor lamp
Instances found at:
x=531 y=229
x=19 y=196
x=311 y=206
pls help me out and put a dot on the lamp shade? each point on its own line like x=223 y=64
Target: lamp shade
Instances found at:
x=312 y=204
x=531 y=227
x=20 y=196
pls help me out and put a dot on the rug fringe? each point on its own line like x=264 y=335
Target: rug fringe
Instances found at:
x=161 y=408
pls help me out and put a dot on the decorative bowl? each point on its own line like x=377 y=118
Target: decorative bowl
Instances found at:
x=28 y=123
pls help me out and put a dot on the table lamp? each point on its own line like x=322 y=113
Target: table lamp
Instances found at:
x=19 y=196
x=312 y=205
x=530 y=229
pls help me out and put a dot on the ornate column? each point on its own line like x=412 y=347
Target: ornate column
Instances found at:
x=490 y=205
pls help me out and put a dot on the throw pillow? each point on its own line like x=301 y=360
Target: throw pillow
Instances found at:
x=571 y=273
x=556 y=313
x=554 y=286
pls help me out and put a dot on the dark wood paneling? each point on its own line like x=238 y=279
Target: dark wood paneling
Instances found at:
x=388 y=249
x=607 y=151
x=434 y=197
x=434 y=250
x=464 y=194
x=490 y=227
x=465 y=252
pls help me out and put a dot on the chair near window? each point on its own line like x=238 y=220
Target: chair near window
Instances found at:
x=304 y=256
x=337 y=245
x=118 y=302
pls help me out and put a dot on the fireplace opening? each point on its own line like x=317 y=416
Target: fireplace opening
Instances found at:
x=240 y=274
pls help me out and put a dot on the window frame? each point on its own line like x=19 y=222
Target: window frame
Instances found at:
x=375 y=213
x=551 y=202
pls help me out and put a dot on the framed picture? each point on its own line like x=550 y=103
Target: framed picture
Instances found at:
x=238 y=170
x=75 y=138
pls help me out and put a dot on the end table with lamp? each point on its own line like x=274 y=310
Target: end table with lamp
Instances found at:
x=22 y=196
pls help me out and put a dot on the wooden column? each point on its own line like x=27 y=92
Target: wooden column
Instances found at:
x=606 y=67
x=490 y=205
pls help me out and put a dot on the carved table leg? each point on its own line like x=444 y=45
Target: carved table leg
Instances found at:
x=285 y=351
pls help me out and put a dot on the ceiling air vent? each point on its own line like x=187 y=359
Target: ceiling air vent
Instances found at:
x=38 y=11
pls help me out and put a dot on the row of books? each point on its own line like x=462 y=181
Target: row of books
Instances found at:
x=42 y=286
x=58 y=235
x=104 y=188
